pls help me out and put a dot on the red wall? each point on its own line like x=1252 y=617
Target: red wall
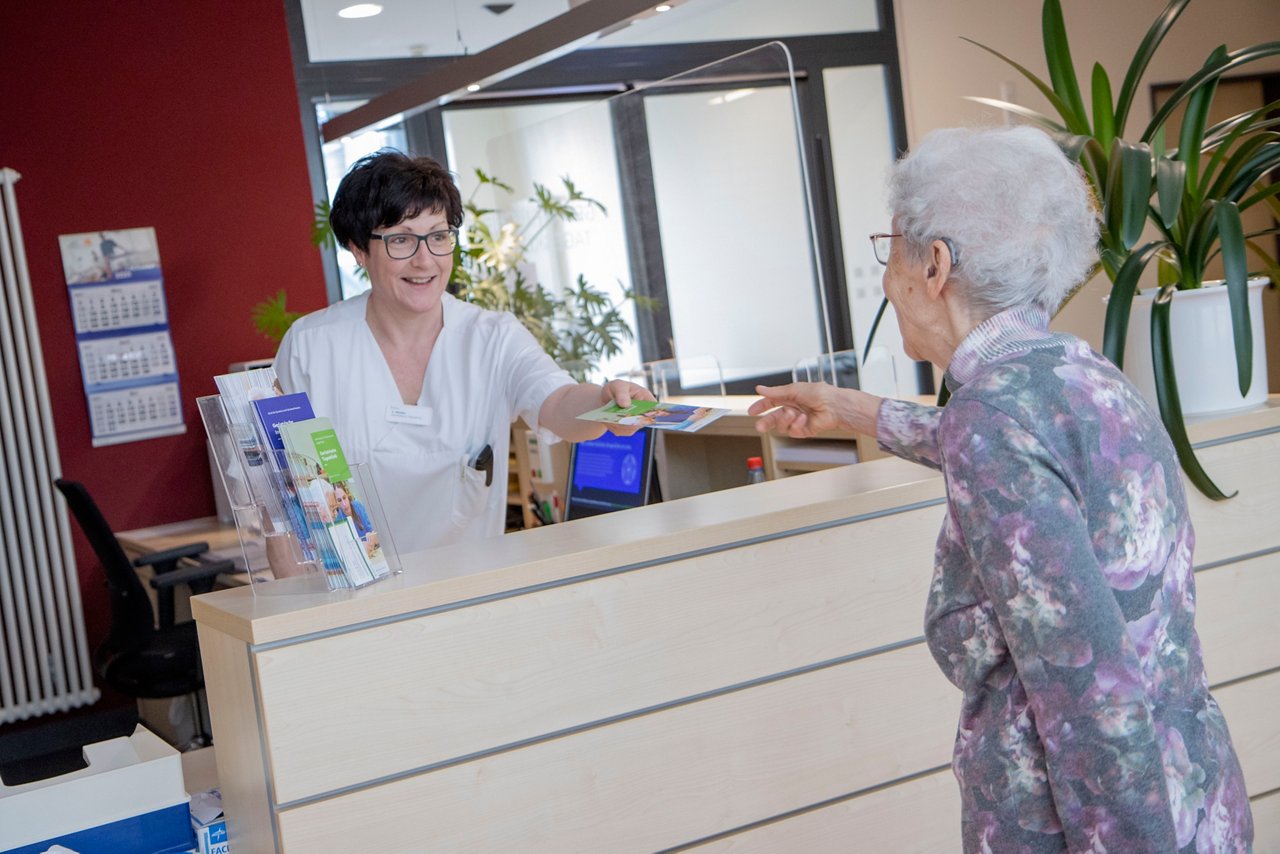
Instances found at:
x=181 y=116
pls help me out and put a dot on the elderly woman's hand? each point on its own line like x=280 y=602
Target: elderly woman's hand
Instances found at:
x=802 y=410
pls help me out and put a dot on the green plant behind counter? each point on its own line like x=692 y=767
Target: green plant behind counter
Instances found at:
x=577 y=326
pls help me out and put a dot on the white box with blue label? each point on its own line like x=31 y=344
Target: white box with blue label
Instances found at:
x=209 y=823
x=130 y=798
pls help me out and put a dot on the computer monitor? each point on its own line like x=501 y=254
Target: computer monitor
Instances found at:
x=610 y=473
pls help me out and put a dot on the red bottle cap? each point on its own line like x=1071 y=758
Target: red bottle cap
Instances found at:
x=755 y=462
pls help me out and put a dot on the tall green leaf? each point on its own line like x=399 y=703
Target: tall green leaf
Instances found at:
x=1264 y=193
x=1141 y=59
x=1057 y=53
x=1018 y=110
x=1167 y=397
x=1264 y=161
x=1209 y=73
x=875 y=325
x=1074 y=123
x=1194 y=121
x=1231 y=235
x=1135 y=189
x=1115 y=327
x=1104 y=120
x=1171 y=178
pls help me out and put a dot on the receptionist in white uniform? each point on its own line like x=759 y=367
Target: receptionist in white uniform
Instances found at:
x=419 y=384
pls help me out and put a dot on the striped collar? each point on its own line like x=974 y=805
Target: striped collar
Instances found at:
x=1014 y=330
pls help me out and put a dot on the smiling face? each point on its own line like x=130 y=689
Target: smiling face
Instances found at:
x=414 y=285
x=344 y=499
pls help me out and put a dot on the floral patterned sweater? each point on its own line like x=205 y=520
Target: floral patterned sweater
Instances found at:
x=1062 y=605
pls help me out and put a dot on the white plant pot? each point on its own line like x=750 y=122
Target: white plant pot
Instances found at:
x=1204 y=359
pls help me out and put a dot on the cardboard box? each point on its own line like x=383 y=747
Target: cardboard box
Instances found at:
x=130 y=798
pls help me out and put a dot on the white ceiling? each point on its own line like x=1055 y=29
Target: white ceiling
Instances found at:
x=407 y=28
x=418 y=27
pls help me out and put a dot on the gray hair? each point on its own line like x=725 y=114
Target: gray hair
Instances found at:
x=1018 y=212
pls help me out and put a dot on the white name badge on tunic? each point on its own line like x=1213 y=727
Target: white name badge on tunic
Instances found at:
x=400 y=413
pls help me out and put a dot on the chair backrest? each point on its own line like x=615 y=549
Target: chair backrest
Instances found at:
x=132 y=618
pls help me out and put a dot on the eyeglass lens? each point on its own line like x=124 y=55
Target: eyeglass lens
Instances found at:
x=402 y=246
x=880 y=244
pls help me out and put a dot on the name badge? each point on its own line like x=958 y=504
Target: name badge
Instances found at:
x=418 y=416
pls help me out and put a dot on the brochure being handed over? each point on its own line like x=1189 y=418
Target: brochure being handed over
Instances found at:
x=656 y=414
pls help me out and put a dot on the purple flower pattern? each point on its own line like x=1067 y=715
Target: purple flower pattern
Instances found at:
x=1062 y=605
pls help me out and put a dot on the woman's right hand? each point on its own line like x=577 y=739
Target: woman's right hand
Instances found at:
x=802 y=410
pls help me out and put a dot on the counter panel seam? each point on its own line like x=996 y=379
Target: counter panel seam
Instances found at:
x=267 y=771
x=1237 y=437
x=1248 y=677
x=592 y=576
x=602 y=722
x=807 y=808
x=1241 y=558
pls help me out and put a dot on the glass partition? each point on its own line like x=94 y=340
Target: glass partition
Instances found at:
x=704 y=208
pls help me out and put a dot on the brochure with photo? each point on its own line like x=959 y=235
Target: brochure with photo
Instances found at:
x=332 y=502
x=659 y=415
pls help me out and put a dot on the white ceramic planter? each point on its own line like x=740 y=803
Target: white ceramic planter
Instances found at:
x=1203 y=351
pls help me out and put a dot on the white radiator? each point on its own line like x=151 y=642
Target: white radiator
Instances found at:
x=44 y=659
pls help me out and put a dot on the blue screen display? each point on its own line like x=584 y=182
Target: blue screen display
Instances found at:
x=612 y=463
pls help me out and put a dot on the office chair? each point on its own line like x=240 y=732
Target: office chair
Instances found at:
x=140 y=657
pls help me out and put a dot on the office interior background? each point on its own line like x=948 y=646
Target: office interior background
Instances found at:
x=200 y=120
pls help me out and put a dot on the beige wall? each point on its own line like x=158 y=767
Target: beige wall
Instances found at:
x=938 y=69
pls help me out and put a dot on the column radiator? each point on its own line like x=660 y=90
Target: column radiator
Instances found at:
x=44 y=659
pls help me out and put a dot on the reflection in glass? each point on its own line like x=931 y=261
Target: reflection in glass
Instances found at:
x=339 y=156
x=543 y=143
x=726 y=227
x=862 y=155
x=724 y=20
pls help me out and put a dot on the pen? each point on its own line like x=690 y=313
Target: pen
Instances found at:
x=484 y=462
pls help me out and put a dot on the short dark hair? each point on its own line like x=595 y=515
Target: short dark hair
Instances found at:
x=387 y=187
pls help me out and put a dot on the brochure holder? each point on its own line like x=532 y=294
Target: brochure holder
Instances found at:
x=285 y=549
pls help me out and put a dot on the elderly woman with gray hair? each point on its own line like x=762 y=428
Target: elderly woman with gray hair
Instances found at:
x=1062 y=601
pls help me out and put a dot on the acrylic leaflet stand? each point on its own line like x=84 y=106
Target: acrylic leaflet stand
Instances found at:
x=277 y=541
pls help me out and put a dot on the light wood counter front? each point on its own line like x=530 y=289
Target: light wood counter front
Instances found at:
x=742 y=670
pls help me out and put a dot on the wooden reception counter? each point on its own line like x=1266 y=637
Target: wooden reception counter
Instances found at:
x=742 y=670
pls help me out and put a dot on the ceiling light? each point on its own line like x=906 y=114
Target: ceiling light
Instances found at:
x=664 y=7
x=474 y=87
x=360 y=10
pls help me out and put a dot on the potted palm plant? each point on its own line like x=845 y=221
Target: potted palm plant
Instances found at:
x=1191 y=194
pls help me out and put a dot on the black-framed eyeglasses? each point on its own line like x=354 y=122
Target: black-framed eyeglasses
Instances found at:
x=882 y=243
x=405 y=245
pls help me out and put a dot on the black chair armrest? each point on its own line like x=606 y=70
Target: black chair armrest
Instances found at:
x=198 y=576
x=195 y=573
x=166 y=560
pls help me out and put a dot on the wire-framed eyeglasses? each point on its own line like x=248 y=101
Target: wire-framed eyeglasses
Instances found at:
x=882 y=243
x=404 y=245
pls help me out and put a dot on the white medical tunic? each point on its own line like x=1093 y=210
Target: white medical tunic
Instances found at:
x=484 y=370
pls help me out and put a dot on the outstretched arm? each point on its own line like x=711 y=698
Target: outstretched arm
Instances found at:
x=904 y=429
x=560 y=411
